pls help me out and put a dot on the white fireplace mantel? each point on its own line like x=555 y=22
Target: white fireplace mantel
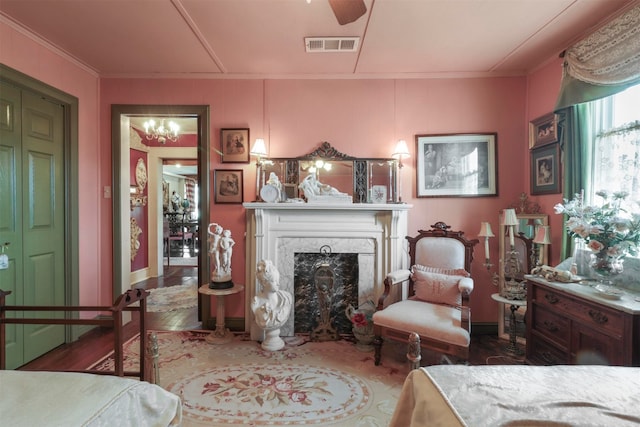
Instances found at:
x=276 y=231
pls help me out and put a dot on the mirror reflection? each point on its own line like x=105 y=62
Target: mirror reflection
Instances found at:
x=364 y=180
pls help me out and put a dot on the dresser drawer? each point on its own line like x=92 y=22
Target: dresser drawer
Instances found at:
x=596 y=316
x=540 y=352
x=551 y=325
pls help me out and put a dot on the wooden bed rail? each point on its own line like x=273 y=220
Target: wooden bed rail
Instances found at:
x=123 y=303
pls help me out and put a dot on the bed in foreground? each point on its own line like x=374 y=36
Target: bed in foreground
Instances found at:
x=78 y=399
x=510 y=395
x=87 y=398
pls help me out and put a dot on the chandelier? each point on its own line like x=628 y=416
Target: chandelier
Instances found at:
x=161 y=133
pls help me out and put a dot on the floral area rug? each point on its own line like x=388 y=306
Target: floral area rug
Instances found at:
x=172 y=298
x=307 y=383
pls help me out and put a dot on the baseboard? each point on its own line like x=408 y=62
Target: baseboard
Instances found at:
x=484 y=328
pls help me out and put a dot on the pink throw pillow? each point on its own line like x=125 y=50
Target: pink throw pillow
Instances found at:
x=437 y=288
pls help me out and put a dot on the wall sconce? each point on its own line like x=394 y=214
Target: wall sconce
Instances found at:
x=542 y=237
x=485 y=231
x=259 y=150
x=400 y=152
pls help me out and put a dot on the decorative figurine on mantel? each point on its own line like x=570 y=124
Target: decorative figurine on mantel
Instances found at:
x=271 y=306
x=220 y=252
x=317 y=192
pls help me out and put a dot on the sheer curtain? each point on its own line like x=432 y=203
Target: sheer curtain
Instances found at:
x=617 y=158
x=604 y=63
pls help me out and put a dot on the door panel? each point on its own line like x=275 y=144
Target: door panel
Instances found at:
x=32 y=216
x=11 y=213
x=43 y=232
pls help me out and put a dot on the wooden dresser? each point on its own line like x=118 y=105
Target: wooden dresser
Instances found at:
x=569 y=323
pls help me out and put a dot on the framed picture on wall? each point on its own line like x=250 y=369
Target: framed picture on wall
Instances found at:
x=545 y=170
x=228 y=185
x=234 y=145
x=456 y=165
x=543 y=130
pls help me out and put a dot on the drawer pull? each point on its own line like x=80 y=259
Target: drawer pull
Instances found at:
x=598 y=317
x=550 y=326
x=551 y=298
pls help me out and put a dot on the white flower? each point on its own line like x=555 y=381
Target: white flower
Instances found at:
x=607 y=228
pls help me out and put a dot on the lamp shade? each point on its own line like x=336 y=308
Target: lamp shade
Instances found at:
x=401 y=149
x=485 y=230
x=543 y=235
x=509 y=217
x=259 y=148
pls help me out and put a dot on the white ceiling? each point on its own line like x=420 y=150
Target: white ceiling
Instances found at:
x=265 y=38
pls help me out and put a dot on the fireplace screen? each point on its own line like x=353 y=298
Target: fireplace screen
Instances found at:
x=324 y=285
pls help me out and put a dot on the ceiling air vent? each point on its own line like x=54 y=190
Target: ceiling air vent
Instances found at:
x=331 y=44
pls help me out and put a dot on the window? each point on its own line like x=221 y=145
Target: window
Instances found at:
x=616 y=144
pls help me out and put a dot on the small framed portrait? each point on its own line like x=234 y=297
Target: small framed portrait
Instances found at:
x=545 y=170
x=228 y=186
x=234 y=145
x=457 y=165
x=543 y=130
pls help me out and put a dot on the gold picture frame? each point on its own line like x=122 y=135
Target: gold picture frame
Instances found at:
x=543 y=130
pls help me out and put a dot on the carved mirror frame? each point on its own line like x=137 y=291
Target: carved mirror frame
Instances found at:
x=366 y=178
x=528 y=225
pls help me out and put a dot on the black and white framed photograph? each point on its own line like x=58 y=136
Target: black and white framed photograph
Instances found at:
x=228 y=185
x=545 y=170
x=457 y=165
x=234 y=145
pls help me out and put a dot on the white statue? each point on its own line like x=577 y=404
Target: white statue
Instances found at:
x=271 y=306
x=315 y=191
x=220 y=252
x=226 y=250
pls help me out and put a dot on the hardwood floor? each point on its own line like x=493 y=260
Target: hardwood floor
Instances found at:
x=485 y=349
x=99 y=341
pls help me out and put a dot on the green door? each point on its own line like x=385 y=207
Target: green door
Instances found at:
x=32 y=215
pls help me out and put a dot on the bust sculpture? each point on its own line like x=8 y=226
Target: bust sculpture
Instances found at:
x=271 y=306
x=317 y=192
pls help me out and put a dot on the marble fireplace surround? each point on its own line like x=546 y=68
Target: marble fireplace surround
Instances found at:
x=277 y=231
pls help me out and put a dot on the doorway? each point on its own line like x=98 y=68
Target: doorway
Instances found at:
x=122 y=116
x=180 y=243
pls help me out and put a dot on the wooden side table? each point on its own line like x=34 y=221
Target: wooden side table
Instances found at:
x=221 y=334
x=514 y=304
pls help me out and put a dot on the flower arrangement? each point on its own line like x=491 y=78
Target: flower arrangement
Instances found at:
x=361 y=317
x=608 y=230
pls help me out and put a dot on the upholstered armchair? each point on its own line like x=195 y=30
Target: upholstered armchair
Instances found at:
x=439 y=287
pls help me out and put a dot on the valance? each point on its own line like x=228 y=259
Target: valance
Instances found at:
x=604 y=63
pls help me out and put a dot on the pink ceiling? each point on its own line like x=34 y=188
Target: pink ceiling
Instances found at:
x=265 y=38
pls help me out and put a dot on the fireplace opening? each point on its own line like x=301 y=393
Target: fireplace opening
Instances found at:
x=324 y=280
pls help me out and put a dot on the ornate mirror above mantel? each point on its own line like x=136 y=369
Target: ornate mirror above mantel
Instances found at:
x=366 y=180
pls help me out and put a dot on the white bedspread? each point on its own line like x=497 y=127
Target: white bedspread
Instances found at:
x=76 y=399
x=520 y=396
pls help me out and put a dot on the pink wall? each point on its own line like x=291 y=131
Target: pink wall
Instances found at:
x=542 y=91
x=22 y=53
x=358 y=117
x=361 y=118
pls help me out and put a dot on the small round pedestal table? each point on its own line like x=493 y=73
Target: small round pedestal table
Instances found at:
x=512 y=347
x=221 y=334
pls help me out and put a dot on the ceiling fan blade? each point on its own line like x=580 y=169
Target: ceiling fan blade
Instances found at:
x=347 y=11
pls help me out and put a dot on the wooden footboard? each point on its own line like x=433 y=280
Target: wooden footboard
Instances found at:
x=123 y=303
